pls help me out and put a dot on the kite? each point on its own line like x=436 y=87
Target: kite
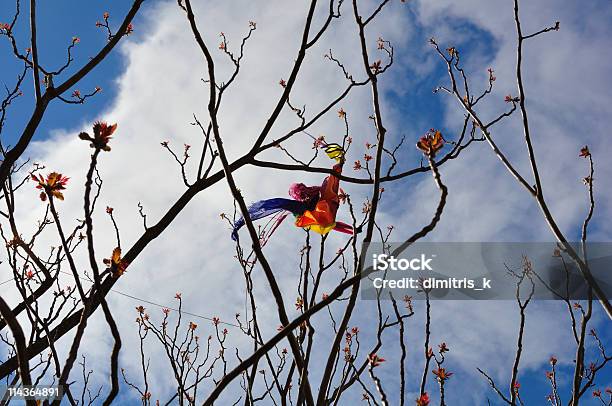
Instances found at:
x=314 y=207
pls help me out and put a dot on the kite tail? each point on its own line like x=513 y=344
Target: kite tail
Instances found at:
x=276 y=221
x=265 y=208
x=343 y=228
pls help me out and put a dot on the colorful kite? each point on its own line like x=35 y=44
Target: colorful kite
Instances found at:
x=314 y=207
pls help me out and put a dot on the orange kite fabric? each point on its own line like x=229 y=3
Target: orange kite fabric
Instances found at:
x=322 y=219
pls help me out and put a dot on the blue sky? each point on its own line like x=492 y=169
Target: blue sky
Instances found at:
x=59 y=22
x=151 y=87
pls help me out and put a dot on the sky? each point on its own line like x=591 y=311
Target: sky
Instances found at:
x=152 y=87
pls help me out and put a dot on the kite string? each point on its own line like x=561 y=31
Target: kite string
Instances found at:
x=325 y=144
x=144 y=301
